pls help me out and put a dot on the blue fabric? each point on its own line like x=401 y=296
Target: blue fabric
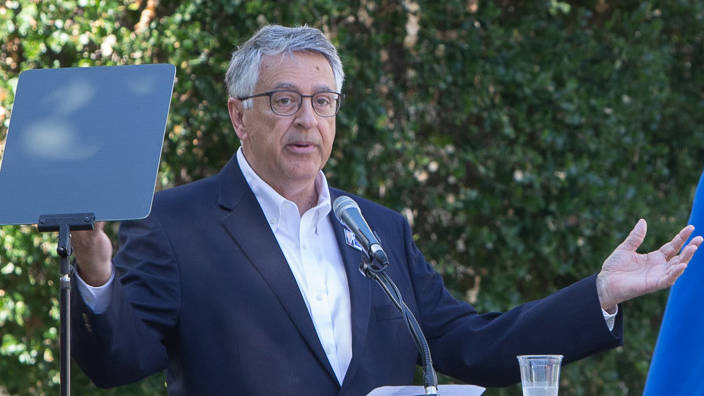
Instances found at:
x=678 y=361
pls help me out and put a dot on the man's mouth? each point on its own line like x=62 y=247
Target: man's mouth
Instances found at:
x=302 y=147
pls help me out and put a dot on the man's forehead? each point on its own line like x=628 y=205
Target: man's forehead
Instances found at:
x=286 y=59
x=293 y=86
x=283 y=71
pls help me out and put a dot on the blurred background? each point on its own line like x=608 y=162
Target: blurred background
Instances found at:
x=522 y=140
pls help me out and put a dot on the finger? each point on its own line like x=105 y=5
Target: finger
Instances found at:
x=100 y=225
x=671 y=248
x=687 y=253
x=636 y=237
x=88 y=237
x=97 y=228
x=696 y=241
x=673 y=273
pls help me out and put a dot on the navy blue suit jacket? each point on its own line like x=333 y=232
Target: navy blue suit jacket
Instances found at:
x=205 y=292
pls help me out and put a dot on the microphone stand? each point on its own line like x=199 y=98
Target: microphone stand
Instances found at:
x=378 y=274
x=64 y=224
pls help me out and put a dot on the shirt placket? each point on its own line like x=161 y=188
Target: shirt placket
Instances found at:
x=316 y=278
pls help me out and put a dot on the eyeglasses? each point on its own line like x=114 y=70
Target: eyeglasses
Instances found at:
x=287 y=103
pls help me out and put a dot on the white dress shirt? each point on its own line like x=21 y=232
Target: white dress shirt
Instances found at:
x=309 y=245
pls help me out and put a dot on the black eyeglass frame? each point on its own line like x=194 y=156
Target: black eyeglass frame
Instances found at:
x=340 y=97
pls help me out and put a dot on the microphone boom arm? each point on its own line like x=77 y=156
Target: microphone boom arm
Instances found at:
x=379 y=275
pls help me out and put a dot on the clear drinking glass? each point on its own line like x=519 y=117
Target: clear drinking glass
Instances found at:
x=540 y=374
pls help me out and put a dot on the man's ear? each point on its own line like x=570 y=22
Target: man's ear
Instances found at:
x=236 y=109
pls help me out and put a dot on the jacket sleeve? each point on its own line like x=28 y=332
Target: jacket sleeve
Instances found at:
x=125 y=343
x=481 y=349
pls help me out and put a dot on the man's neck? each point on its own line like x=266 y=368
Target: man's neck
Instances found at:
x=305 y=198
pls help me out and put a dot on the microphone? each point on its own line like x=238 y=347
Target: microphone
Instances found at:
x=348 y=213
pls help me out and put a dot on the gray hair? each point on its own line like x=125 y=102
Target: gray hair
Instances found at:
x=243 y=72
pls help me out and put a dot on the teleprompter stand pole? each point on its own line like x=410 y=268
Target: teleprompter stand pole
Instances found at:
x=64 y=224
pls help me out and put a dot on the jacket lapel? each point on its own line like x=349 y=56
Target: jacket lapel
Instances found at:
x=360 y=295
x=248 y=226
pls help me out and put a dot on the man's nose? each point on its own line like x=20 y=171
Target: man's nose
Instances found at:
x=306 y=116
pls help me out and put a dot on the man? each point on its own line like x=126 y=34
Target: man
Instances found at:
x=244 y=282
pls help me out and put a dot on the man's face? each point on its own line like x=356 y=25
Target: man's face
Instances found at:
x=287 y=151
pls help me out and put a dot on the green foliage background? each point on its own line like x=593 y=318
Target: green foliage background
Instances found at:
x=522 y=139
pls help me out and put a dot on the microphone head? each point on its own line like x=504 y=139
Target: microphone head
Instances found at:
x=341 y=204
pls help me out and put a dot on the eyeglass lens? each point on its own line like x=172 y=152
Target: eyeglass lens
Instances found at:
x=325 y=104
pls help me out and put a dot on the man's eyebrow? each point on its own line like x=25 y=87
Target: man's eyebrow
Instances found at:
x=322 y=88
x=294 y=87
x=290 y=86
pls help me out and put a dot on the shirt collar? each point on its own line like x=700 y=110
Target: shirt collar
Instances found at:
x=271 y=201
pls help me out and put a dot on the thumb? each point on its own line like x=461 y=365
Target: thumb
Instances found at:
x=99 y=226
x=636 y=237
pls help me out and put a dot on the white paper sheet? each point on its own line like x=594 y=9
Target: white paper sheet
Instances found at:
x=443 y=390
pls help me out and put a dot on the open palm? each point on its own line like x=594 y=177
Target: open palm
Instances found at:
x=627 y=274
